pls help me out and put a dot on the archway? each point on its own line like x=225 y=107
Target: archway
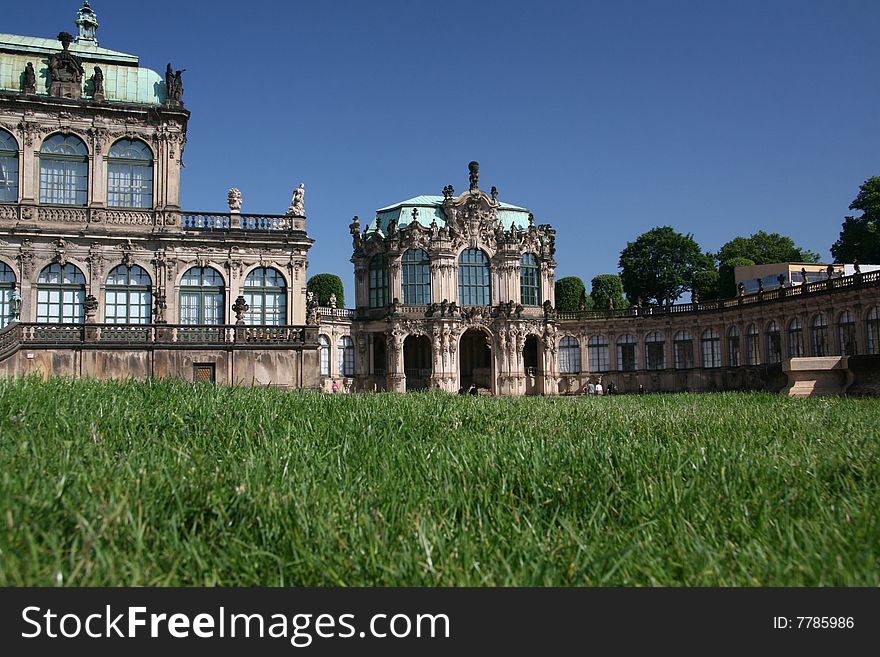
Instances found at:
x=533 y=365
x=475 y=360
x=378 y=367
x=417 y=361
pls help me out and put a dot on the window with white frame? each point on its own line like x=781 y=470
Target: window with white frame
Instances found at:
x=64 y=170
x=474 y=282
x=597 y=350
x=345 y=347
x=7 y=292
x=377 y=281
x=61 y=295
x=324 y=346
x=529 y=280
x=127 y=296
x=130 y=175
x=416 y=277
x=8 y=168
x=569 y=355
x=265 y=293
x=202 y=297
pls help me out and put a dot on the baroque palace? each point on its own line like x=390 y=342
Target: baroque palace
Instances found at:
x=102 y=274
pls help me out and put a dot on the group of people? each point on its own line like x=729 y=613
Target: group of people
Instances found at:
x=597 y=389
x=470 y=391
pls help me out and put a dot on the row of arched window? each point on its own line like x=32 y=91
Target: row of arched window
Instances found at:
x=61 y=291
x=710 y=345
x=64 y=172
x=474 y=279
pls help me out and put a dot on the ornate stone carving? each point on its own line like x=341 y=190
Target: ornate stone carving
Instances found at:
x=173 y=87
x=233 y=198
x=90 y=305
x=63 y=215
x=99 y=137
x=297 y=206
x=312 y=315
x=29 y=85
x=26 y=259
x=159 y=308
x=474 y=175
x=60 y=251
x=29 y=131
x=96 y=261
x=65 y=71
x=98 y=84
x=240 y=307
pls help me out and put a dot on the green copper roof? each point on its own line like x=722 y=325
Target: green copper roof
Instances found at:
x=429 y=209
x=124 y=81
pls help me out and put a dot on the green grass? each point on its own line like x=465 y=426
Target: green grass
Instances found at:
x=166 y=483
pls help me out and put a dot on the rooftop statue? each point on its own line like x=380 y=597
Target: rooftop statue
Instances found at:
x=474 y=175
x=65 y=71
x=297 y=208
x=174 y=86
x=234 y=199
x=98 y=82
x=30 y=79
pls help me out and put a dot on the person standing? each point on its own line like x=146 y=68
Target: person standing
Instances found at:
x=599 y=390
x=591 y=388
x=335 y=387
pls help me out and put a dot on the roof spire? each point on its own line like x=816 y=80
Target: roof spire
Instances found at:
x=87 y=21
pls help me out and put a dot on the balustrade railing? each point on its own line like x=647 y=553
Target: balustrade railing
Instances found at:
x=235 y=221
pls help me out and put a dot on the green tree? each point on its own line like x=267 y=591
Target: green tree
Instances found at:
x=727 y=276
x=660 y=265
x=860 y=236
x=323 y=285
x=705 y=285
x=607 y=292
x=764 y=248
x=571 y=295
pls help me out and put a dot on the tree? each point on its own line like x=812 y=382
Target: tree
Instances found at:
x=660 y=265
x=860 y=236
x=608 y=292
x=571 y=295
x=764 y=248
x=705 y=285
x=727 y=276
x=323 y=285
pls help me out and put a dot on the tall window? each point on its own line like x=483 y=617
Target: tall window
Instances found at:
x=7 y=289
x=61 y=293
x=416 y=277
x=345 y=347
x=127 y=298
x=710 y=342
x=654 y=357
x=324 y=347
x=597 y=350
x=752 y=353
x=774 y=343
x=846 y=329
x=733 y=355
x=202 y=296
x=265 y=291
x=569 y=355
x=626 y=353
x=683 y=350
x=529 y=280
x=64 y=170
x=8 y=168
x=130 y=175
x=378 y=281
x=474 y=284
x=872 y=321
x=819 y=335
x=795 y=339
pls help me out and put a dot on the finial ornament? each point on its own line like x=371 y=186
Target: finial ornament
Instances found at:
x=297 y=207
x=474 y=175
x=87 y=22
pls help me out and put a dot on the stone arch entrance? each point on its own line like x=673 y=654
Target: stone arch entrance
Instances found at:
x=533 y=360
x=417 y=361
x=475 y=360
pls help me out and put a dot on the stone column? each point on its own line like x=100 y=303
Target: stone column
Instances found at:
x=395 y=375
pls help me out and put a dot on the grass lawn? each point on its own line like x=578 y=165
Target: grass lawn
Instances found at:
x=166 y=483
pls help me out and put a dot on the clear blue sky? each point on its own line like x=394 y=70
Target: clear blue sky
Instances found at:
x=605 y=119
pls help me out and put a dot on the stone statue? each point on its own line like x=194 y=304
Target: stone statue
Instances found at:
x=90 y=305
x=760 y=285
x=740 y=288
x=240 y=307
x=234 y=199
x=173 y=86
x=355 y=227
x=65 y=71
x=494 y=193
x=161 y=306
x=474 y=175
x=311 y=308
x=98 y=84
x=30 y=79
x=804 y=275
x=333 y=299
x=297 y=208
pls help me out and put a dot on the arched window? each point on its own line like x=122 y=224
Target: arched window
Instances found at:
x=569 y=355
x=872 y=321
x=345 y=347
x=597 y=350
x=378 y=281
x=710 y=342
x=774 y=342
x=130 y=175
x=127 y=298
x=7 y=290
x=683 y=350
x=265 y=291
x=324 y=347
x=626 y=353
x=61 y=293
x=733 y=355
x=752 y=352
x=654 y=356
x=202 y=296
x=819 y=335
x=64 y=170
x=416 y=277
x=795 y=339
x=529 y=280
x=8 y=168
x=474 y=284
x=846 y=330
